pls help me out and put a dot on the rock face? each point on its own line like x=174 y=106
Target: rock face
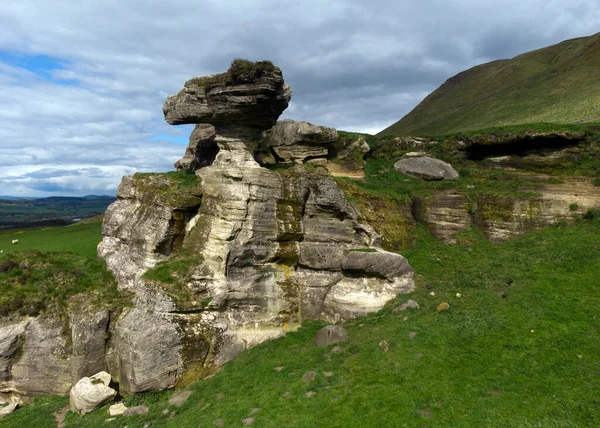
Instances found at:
x=426 y=168
x=296 y=142
x=38 y=356
x=90 y=393
x=248 y=94
x=201 y=151
x=253 y=252
x=502 y=217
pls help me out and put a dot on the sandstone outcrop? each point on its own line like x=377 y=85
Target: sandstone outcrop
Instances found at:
x=296 y=142
x=426 y=168
x=252 y=252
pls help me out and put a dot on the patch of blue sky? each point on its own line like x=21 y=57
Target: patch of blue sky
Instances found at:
x=42 y=65
x=177 y=139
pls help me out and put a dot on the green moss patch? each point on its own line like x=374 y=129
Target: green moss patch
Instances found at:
x=32 y=282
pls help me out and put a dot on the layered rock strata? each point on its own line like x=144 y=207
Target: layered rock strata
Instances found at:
x=257 y=250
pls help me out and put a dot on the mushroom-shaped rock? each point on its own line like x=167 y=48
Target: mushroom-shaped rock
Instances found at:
x=297 y=141
x=381 y=264
x=90 y=393
x=202 y=149
x=426 y=168
x=248 y=94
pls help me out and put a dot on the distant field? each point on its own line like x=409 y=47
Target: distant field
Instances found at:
x=80 y=239
x=49 y=212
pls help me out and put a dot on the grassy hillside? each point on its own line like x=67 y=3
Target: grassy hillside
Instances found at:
x=519 y=347
x=556 y=84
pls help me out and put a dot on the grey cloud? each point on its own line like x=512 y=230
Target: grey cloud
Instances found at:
x=352 y=64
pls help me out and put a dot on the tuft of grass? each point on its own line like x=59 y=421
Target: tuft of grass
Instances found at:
x=32 y=282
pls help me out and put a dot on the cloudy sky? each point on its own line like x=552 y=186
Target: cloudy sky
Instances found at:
x=82 y=82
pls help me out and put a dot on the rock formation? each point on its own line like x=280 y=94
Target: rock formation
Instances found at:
x=253 y=251
x=426 y=168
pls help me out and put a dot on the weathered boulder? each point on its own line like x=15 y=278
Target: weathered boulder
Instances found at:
x=295 y=142
x=90 y=393
x=248 y=94
x=202 y=149
x=426 y=168
x=380 y=264
x=329 y=335
x=148 y=348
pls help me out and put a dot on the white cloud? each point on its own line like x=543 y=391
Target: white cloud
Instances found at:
x=352 y=64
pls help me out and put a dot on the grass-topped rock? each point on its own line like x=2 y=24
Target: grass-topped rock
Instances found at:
x=32 y=282
x=248 y=94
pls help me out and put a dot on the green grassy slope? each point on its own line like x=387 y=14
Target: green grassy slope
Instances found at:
x=81 y=239
x=530 y=358
x=556 y=84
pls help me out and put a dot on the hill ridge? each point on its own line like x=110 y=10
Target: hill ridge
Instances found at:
x=555 y=84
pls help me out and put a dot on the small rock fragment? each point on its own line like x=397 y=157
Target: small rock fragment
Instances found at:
x=412 y=334
x=179 y=398
x=287 y=394
x=383 y=345
x=327 y=374
x=117 y=409
x=309 y=376
x=278 y=369
x=580 y=356
x=218 y=423
x=254 y=410
x=444 y=306
x=432 y=293
x=329 y=335
x=458 y=295
x=137 y=410
x=110 y=419
x=219 y=395
x=337 y=349
x=310 y=394
x=248 y=421
x=411 y=304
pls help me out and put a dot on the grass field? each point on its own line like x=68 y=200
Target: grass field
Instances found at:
x=80 y=239
x=520 y=347
x=556 y=84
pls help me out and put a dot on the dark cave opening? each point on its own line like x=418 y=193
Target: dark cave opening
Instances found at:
x=521 y=147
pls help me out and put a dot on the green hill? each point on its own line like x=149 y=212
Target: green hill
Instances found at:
x=556 y=84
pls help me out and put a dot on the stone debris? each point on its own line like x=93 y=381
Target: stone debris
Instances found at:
x=444 y=306
x=89 y=393
x=383 y=345
x=248 y=421
x=179 y=398
x=410 y=304
x=117 y=409
x=137 y=410
x=309 y=376
x=329 y=335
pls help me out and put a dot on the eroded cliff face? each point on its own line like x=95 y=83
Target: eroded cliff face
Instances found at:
x=249 y=252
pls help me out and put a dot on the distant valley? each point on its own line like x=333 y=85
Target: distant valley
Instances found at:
x=22 y=213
